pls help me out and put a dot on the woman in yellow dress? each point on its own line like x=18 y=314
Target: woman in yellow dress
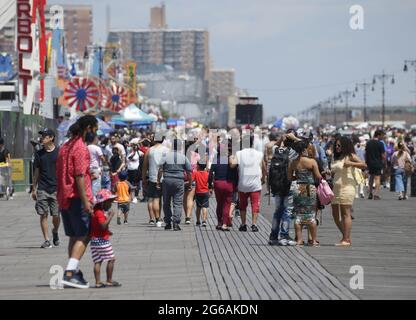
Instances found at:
x=343 y=166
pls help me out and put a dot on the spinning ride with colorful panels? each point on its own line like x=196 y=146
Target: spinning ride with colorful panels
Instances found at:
x=117 y=98
x=82 y=93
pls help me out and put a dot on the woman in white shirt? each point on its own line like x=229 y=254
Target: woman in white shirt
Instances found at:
x=399 y=159
x=133 y=164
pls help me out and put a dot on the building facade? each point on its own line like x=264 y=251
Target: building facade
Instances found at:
x=158 y=17
x=221 y=83
x=183 y=50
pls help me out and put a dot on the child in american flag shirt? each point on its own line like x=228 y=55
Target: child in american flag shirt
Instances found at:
x=101 y=248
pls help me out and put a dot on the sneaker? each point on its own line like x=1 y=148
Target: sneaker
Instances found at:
x=46 y=245
x=118 y=221
x=188 y=220
x=76 y=280
x=237 y=213
x=204 y=223
x=229 y=225
x=56 y=241
x=377 y=198
x=152 y=222
x=134 y=200
x=243 y=228
x=198 y=223
x=176 y=227
x=159 y=224
x=362 y=196
x=370 y=196
x=254 y=228
x=125 y=222
x=282 y=242
x=168 y=227
x=290 y=242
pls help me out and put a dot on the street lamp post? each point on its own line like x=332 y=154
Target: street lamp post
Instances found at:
x=100 y=49
x=383 y=78
x=347 y=94
x=364 y=85
x=334 y=101
x=412 y=63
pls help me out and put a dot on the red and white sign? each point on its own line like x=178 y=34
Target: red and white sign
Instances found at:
x=31 y=46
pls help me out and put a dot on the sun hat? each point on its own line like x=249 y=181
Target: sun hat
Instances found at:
x=104 y=195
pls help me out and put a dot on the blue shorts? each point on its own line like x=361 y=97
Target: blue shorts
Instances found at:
x=76 y=221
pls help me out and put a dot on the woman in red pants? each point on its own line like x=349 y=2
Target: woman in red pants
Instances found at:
x=225 y=181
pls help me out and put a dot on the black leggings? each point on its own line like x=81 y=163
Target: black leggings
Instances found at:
x=134 y=179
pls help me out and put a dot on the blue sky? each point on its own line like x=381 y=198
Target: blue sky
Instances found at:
x=290 y=53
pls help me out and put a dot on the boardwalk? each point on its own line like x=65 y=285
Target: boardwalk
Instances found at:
x=200 y=263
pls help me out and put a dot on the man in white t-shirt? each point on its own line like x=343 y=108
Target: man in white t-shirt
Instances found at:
x=252 y=175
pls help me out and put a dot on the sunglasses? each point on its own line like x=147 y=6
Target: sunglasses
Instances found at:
x=338 y=146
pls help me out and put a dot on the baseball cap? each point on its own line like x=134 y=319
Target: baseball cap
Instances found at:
x=47 y=132
x=104 y=195
x=122 y=175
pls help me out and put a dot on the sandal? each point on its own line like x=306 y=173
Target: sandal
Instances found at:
x=343 y=244
x=300 y=244
x=225 y=229
x=100 y=286
x=113 y=284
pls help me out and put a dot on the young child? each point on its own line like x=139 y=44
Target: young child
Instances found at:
x=202 y=193
x=101 y=249
x=124 y=191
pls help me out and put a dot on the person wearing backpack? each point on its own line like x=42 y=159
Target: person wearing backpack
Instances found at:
x=281 y=188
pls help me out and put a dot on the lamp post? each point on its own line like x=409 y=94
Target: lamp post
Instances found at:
x=411 y=63
x=383 y=78
x=334 y=101
x=101 y=50
x=364 y=85
x=346 y=94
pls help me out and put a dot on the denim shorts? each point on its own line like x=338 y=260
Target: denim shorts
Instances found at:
x=76 y=221
x=124 y=207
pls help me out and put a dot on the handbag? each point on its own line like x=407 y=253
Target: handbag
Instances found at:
x=325 y=193
x=408 y=168
x=358 y=176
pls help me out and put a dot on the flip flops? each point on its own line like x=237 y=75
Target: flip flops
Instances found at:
x=113 y=284
x=100 y=286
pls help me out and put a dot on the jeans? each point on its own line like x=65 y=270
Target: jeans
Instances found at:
x=282 y=216
x=105 y=180
x=173 y=189
x=400 y=180
x=96 y=186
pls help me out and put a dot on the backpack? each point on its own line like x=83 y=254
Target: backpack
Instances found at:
x=278 y=173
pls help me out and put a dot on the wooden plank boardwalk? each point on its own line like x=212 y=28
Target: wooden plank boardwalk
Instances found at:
x=383 y=236
x=241 y=265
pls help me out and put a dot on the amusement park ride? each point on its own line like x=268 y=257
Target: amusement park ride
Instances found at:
x=42 y=55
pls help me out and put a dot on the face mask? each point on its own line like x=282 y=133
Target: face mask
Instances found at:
x=90 y=136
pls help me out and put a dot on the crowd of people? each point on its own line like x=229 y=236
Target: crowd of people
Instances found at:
x=79 y=180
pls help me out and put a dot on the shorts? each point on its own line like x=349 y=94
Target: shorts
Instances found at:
x=202 y=200
x=101 y=250
x=46 y=203
x=375 y=171
x=254 y=198
x=124 y=207
x=153 y=192
x=75 y=220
